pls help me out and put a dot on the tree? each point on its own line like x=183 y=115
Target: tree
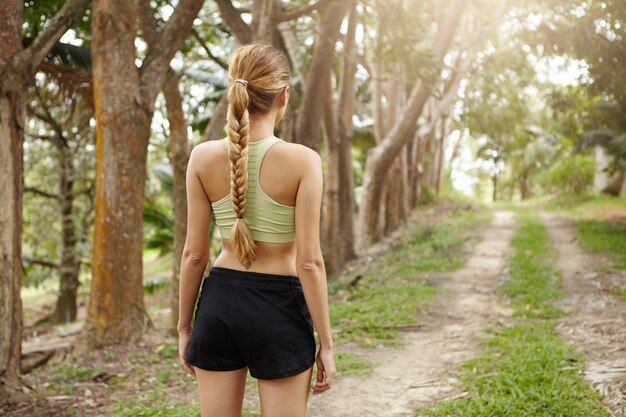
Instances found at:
x=66 y=115
x=17 y=66
x=124 y=105
x=382 y=156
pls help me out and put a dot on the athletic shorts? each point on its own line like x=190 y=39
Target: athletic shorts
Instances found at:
x=252 y=319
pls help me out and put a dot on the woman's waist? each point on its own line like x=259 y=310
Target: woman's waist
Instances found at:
x=277 y=262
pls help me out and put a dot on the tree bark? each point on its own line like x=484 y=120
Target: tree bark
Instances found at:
x=330 y=217
x=69 y=267
x=494 y=181
x=381 y=157
x=615 y=184
x=124 y=104
x=179 y=157
x=310 y=115
x=346 y=134
x=215 y=128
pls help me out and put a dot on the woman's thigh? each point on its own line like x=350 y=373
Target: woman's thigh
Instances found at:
x=221 y=392
x=285 y=397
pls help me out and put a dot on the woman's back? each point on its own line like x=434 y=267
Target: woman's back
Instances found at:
x=281 y=166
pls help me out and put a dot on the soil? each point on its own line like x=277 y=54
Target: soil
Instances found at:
x=426 y=368
x=596 y=323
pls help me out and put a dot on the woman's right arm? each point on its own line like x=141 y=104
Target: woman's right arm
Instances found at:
x=310 y=263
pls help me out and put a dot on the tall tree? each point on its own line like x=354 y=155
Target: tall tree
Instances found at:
x=124 y=106
x=17 y=66
x=380 y=158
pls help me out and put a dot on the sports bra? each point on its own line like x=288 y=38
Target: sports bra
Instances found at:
x=268 y=220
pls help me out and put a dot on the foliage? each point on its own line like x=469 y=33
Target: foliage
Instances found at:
x=41 y=236
x=572 y=174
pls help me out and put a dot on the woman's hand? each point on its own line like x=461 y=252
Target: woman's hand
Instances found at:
x=325 y=370
x=184 y=338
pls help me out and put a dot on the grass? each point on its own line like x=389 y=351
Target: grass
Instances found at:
x=587 y=206
x=532 y=284
x=391 y=290
x=598 y=236
x=526 y=369
x=156 y=403
x=350 y=364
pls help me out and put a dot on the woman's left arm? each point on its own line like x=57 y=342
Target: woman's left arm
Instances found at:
x=196 y=251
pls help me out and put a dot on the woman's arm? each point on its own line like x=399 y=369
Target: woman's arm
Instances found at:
x=196 y=251
x=310 y=263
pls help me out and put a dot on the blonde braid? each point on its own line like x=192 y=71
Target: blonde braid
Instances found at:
x=238 y=130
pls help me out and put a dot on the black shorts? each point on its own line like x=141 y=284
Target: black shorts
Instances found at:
x=252 y=319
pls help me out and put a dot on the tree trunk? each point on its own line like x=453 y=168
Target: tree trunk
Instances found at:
x=69 y=266
x=330 y=218
x=215 y=128
x=263 y=26
x=494 y=180
x=615 y=184
x=393 y=194
x=525 y=191
x=179 y=156
x=381 y=157
x=116 y=311
x=310 y=115
x=11 y=189
x=345 y=135
x=441 y=152
x=124 y=104
x=12 y=109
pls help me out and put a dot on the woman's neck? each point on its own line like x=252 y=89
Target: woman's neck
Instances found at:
x=261 y=126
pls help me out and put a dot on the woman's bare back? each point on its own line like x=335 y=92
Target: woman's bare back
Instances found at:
x=280 y=174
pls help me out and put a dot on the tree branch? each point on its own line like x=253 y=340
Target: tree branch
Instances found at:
x=28 y=59
x=232 y=17
x=42 y=193
x=156 y=64
x=204 y=46
x=301 y=11
x=41 y=262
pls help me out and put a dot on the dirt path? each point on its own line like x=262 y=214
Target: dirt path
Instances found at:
x=597 y=320
x=425 y=369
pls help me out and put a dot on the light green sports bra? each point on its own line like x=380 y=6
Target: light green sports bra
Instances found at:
x=269 y=220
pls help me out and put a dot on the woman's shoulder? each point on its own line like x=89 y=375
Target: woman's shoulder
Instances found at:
x=298 y=153
x=208 y=150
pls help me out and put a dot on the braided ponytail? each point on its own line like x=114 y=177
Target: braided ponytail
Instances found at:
x=258 y=72
x=238 y=129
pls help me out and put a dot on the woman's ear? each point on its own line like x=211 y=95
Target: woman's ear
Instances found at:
x=284 y=95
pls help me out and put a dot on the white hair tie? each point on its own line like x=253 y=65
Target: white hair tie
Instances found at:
x=244 y=82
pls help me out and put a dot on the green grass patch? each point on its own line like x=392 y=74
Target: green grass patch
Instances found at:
x=532 y=283
x=587 y=205
x=373 y=311
x=155 y=403
x=391 y=290
x=524 y=371
x=350 y=364
x=598 y=236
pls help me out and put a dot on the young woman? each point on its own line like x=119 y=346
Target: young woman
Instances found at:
x=267 y=288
